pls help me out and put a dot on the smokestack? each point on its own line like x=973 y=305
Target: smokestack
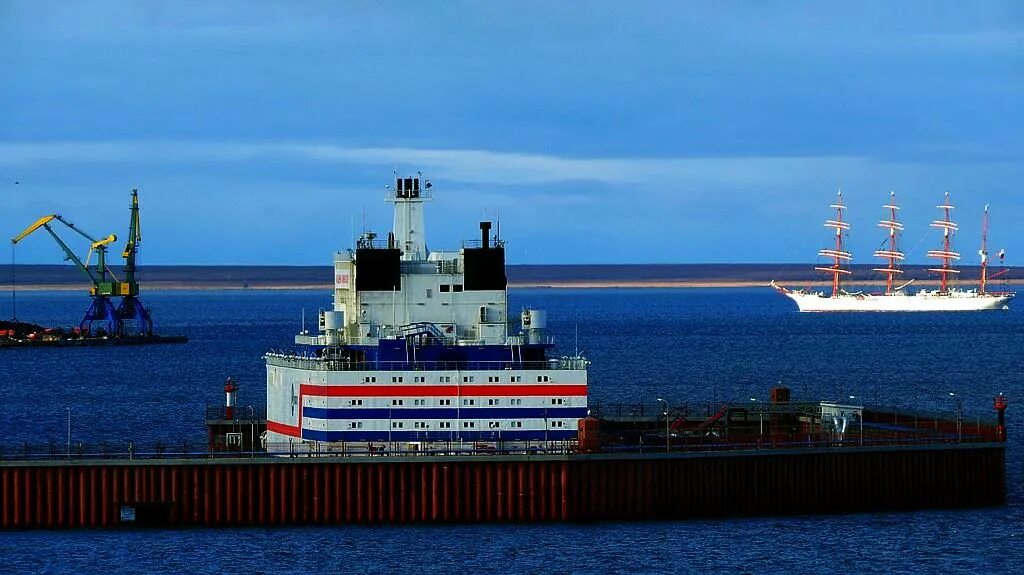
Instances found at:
x=485 y=231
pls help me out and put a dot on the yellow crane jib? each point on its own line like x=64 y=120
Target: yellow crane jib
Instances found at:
x=99 y=244
x=38 y=224
x=107 y=240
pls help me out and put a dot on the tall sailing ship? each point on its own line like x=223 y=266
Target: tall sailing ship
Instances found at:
x=896 y=297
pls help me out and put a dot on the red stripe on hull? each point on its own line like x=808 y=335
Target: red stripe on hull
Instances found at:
x=282 y=428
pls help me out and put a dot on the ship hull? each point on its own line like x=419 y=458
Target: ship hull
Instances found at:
x=917 y=302
x=421 y=409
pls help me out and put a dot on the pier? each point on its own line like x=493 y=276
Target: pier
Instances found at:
x=469 y=489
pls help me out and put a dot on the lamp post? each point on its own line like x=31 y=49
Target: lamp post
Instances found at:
x=664 y=412
x=860 y=420
x=760 y=414
x=959 y=414
x=252 y=431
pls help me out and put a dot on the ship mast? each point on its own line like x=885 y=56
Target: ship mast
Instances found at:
x=893 y=253
x=983 y=252
x=838 y=254
x=946 y=254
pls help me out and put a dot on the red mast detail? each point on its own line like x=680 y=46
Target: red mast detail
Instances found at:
x=893 y=254
x=946 y=254
x=984 y=252
x=838 y=253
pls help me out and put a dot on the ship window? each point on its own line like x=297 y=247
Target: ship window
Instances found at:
x=494 y=424
x=355 y=402
x=468 y=424
x=445 y=288
x=397 y=379
x=430 y=293
x=516 y=378
x=467 y=379
x=445 y=379
x=456 y=288
x=468 y=402
x=396 y=401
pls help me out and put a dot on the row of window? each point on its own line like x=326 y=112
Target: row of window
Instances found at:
x=448 y=424
x=448 y=379
x=513 y=401
x=445 y=288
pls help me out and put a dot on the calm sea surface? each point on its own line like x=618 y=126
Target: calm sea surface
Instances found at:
x=691 y=345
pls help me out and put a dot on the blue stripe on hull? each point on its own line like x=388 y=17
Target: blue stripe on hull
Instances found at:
x=439 y=436
x=444 y=413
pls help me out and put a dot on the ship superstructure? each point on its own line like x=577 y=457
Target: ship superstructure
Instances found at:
x=416 y=351
x=896 y=297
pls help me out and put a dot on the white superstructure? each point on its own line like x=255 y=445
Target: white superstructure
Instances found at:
x=418 y=351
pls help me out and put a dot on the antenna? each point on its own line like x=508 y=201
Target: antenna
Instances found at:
x=303 y=321
x=577 y=343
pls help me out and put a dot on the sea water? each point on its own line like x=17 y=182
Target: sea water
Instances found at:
x=693 y=346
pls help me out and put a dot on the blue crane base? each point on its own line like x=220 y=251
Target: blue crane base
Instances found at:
x=101 y=311
x=114 y=320
x=132 y=310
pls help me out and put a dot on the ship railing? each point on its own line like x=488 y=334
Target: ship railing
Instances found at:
x=524 y=340
x=323 y=364
x=644 y=443
x=472 y=244
x=244 y=413
x=375 y=243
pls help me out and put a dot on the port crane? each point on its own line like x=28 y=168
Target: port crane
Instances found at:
x=105 y=284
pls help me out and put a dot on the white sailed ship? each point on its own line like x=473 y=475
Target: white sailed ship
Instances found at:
x=896 y=297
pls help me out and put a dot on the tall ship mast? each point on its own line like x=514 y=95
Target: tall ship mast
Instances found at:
x=840 y=257
x=983 y=253
x=419 y=352
x=891 y=253
x=945 y=254
x=896 y=297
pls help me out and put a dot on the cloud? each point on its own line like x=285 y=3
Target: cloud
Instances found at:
x=460 y=165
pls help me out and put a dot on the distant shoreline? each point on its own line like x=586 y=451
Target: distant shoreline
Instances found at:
x=588 y=284
x=56 y=277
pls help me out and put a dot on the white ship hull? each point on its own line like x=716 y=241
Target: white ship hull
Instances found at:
x=899 y=302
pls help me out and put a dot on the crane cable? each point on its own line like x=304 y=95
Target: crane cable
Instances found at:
x=14 y=288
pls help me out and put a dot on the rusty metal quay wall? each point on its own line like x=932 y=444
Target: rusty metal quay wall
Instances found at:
x=341 y=490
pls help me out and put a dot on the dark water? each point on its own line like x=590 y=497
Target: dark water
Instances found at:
x=690 y=345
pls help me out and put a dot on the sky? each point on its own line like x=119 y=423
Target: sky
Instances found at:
x=597 y=132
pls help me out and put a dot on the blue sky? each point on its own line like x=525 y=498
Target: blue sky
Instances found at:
x=600 y=132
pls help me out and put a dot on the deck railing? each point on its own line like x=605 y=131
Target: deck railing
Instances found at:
x=326 y=364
